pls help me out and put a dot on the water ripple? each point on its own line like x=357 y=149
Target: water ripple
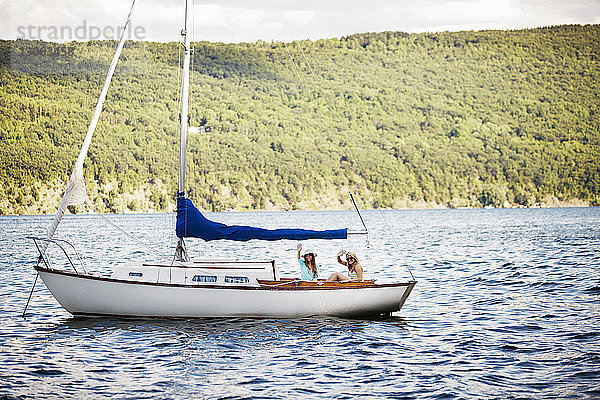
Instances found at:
x=506 y=307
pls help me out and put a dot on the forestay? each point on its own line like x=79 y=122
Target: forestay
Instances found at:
x=75 y=192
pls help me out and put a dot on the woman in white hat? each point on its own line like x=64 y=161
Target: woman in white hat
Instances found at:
x=355 y=270
x=308 y=264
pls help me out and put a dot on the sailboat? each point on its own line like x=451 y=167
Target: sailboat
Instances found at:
x=189 y=288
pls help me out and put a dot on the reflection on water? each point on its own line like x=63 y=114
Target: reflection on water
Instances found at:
x=507 y=306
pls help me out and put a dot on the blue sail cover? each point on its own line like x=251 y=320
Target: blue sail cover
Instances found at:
x=191 y=223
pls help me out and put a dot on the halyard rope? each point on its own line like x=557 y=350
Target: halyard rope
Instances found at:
x=294 y=66
x=123 y=231
x=307 y=63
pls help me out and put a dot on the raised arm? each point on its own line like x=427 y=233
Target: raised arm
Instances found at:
x=299 y=249
x=339 y=257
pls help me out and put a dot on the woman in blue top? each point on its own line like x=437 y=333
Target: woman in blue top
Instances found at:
x=308 y=265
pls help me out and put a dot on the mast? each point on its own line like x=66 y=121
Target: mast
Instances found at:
x=180 y=253
x=183 y=116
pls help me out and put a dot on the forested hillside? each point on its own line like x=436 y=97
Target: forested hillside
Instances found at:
x=401 y=120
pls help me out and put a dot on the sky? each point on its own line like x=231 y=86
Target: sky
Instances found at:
x=283 y=20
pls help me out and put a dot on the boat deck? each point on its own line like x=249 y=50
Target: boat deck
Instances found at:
x=289 y=283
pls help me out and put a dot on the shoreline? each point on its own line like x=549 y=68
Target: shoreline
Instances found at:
x=575 y=204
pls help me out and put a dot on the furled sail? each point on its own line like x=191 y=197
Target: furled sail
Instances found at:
x=191 y=223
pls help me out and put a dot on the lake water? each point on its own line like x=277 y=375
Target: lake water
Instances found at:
x=507 y=306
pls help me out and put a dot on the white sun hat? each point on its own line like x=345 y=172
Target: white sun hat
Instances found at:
x=309 y=251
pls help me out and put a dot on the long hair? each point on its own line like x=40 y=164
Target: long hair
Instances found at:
x=352 y=268
x=312 y=265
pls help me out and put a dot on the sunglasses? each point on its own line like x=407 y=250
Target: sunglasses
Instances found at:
x=350 y=259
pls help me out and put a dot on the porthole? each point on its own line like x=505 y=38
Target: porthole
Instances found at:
x=236 y=279
x=204 y=278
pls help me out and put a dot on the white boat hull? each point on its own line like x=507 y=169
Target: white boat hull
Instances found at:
x=86 y=295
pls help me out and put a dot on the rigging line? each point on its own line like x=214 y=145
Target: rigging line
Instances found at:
x=179 y=89
x=307 y=63
x=193 y=23
x=389 y=229
x=123 y=231
x=175 y=254
x=76 y=178
x=190 y=159
x=358 y=212
x=31 y=292
x=368 y=241
x=395 y=241
x=192 y=56
x=294 y=66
